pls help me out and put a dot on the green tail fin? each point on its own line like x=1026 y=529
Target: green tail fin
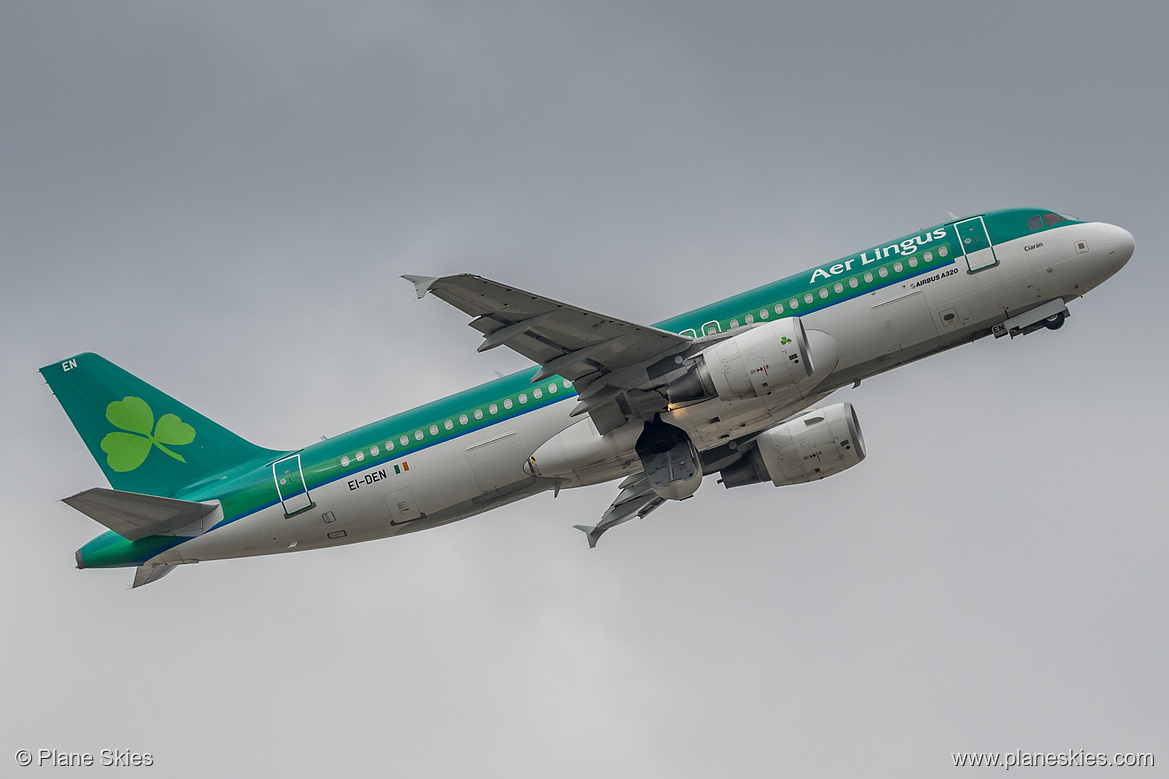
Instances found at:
x=144 y=440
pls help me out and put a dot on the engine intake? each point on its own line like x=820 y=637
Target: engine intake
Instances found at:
x=754 y=363
x=817 y=444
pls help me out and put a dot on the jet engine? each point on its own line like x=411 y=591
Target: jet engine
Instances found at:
x=816 y=444
x=754 y=363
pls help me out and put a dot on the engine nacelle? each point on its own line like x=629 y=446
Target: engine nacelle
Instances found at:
x=817 y=444
x=754 y=363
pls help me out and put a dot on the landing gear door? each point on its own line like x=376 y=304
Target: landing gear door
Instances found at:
x=975 y=244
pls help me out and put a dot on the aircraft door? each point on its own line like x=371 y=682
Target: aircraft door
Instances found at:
x=975 y=244
x=290 y=486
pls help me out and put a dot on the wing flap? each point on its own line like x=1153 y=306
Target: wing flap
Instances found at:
x=134 y=516
x=547 y=331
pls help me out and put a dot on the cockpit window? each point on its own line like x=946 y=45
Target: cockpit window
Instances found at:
x=1035 y=222
x=1053 y=219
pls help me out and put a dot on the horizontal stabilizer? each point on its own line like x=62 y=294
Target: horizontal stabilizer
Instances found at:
x=145 y=574
x=134 y=516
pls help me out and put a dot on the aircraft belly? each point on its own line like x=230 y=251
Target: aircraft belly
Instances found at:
x=258 y=533
x=714 y=422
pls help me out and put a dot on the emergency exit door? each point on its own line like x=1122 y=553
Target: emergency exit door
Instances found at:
x=290 y=485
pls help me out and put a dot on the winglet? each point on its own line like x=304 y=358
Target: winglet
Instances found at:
x=421 y=283
x=592 y=533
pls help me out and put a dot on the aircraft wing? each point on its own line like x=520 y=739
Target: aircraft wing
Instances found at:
x=618 y=368
x=635 y=500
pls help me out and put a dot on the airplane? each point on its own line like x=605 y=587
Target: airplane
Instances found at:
x=732 y=388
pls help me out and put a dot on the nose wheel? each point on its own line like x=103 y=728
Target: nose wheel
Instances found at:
x=1055 y=322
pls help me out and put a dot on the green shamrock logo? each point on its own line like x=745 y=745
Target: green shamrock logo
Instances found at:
x=129 y=450
x=784 y=341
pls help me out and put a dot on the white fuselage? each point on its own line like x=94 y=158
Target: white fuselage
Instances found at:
x=855 y=339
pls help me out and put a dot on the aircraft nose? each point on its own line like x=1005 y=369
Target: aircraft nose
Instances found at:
x=1120 y=245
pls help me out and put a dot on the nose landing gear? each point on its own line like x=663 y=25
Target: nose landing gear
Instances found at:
x=1050 y=315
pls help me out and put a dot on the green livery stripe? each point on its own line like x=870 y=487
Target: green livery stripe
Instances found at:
x=794 y=296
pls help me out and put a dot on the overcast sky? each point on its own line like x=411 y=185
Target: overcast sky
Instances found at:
x=220 y=197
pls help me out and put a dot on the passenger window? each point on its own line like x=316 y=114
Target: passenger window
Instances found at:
x=1034 y=223
x=1052 y=219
